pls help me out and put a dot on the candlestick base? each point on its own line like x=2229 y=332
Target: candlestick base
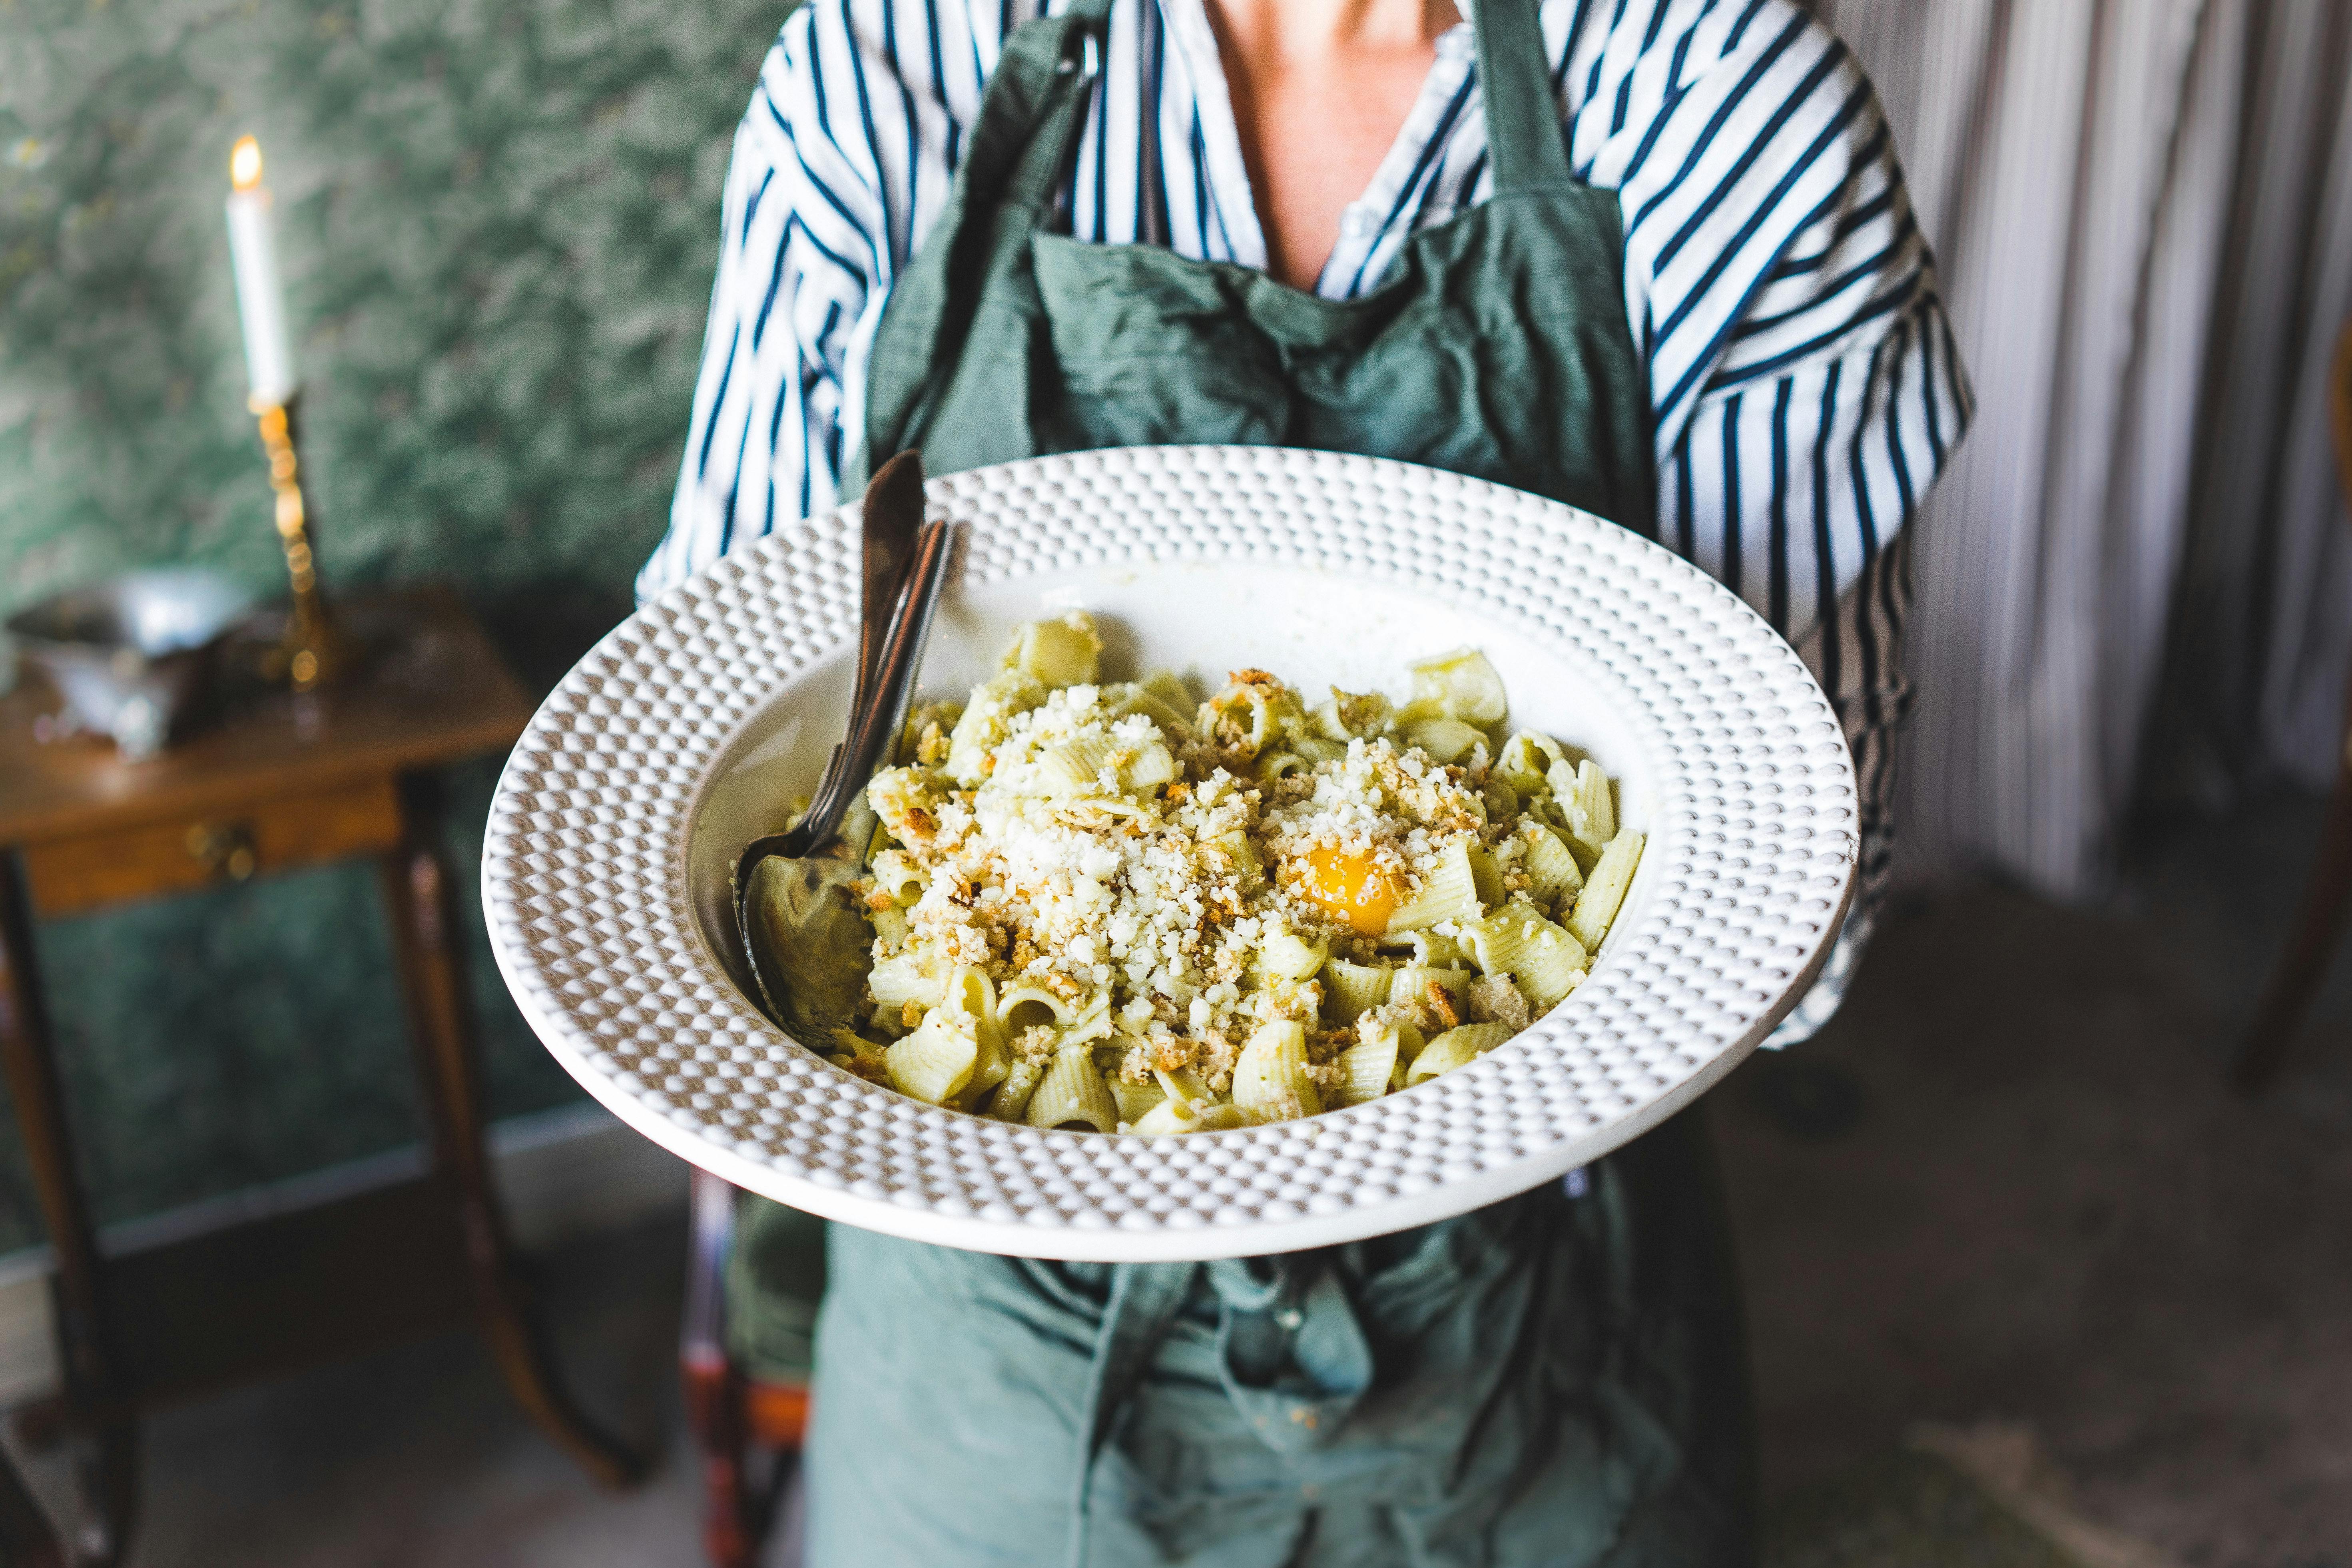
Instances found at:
x=312 y=654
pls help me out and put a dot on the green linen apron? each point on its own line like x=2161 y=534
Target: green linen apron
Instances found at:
x=1553 y=1380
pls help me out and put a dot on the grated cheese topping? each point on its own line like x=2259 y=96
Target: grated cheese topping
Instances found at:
x=1121 y=900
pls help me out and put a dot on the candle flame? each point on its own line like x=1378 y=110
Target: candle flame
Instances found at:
x=245 y=164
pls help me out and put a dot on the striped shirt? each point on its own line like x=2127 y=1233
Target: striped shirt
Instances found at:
x=1803 y=384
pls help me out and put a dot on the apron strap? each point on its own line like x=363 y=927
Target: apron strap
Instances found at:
x=1144 y=1301
x=1523 y=132
x=1080 y=36
x=1020 y=150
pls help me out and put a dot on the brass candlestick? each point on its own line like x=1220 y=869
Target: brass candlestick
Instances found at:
x=311 y=654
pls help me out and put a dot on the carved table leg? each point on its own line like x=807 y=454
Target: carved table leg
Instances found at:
x=421 y=907
x=110 y=1474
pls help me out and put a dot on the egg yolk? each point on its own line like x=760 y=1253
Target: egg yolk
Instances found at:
x=1348 y=887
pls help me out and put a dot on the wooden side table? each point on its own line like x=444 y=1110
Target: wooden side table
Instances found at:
x=276 y=783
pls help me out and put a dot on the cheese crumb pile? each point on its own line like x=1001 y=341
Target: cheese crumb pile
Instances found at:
x=1108 y=906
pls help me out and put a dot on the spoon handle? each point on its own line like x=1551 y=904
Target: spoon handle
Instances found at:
x=889 y=523
x=876 y=723
x=910 y=631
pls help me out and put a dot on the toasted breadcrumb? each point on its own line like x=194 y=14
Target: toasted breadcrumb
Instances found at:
x=1495 y=1000
x=1134 y=868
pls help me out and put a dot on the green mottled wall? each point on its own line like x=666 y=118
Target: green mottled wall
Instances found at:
x=498 y=219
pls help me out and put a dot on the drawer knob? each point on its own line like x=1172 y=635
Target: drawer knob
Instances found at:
x=225 y=849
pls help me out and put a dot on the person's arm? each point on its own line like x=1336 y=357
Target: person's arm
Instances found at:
x=843 y=162
x=1804 y=386
x=803 y=255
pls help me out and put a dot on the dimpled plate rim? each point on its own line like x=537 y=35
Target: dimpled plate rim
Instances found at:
x=1744 y=882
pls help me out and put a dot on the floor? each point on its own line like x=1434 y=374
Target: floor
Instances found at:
x=2052 y=1212
x=2008 y=1185
x=415 y=1457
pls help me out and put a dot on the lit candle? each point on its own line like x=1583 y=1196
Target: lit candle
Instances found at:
x=260 y=303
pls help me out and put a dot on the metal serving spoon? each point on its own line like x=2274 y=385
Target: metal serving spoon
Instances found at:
x=804 y=934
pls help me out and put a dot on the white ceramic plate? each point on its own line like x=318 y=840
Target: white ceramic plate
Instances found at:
x=681 y=736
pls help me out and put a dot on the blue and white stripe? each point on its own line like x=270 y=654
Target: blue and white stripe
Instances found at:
x=1803 y=378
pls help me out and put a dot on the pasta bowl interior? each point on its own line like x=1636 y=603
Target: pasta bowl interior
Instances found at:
x=694 y=726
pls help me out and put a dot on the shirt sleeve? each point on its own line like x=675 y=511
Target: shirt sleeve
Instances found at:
x=1805 y=387
x=799 y=257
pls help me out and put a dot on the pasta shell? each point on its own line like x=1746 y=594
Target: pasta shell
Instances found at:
x=1486 y=877
x=1134 y=1100
x=904 y=977
x=934 y=1062
x=1454 y=1048
x=1449 y=892
x=983 y=725
x=1604 y=891
x=1270 y=1081
x=1410 y=985
x=1349 y=715
x=1172 y=1116
x=1073 y=1094
x=1525 y=763
x=1546 y=962
x=1461 y=685
x=1011 y=1101
x=1286 y=955
x=1585 y=806
x=1064 y=652
x=1445 y=740
x=1129 y=698
x=1553 y=876
x=1350 y=989
x=1369 y=1068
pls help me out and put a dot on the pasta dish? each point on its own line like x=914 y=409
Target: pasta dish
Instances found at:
x=1109 y=906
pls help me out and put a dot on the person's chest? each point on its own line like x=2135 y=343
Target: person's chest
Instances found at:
x=1161 y=160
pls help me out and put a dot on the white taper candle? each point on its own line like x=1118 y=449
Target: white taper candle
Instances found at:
x=260 y=301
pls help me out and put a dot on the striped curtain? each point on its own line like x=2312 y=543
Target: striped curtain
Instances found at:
x=2137 y=575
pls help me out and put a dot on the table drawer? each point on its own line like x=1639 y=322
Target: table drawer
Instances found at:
x=69 y=875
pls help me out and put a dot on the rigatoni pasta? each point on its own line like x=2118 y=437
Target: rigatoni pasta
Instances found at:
x=1110 y=906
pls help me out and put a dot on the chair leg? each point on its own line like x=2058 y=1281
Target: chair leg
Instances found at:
x=2304 y=961
x=27 y=1538
x=714 y=1389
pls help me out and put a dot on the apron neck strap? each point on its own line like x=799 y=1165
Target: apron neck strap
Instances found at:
x=1523 y=135
x=1074 y=43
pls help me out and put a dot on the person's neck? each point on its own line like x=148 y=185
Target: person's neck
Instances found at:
x=1289 y=34
x=1319 y=89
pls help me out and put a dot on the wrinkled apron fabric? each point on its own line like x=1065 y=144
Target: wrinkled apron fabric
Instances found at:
x=1554 y=1380
x=1497 y=346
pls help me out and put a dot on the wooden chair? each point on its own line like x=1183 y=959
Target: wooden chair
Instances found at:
x=748 y=1426
x=2304 y=963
